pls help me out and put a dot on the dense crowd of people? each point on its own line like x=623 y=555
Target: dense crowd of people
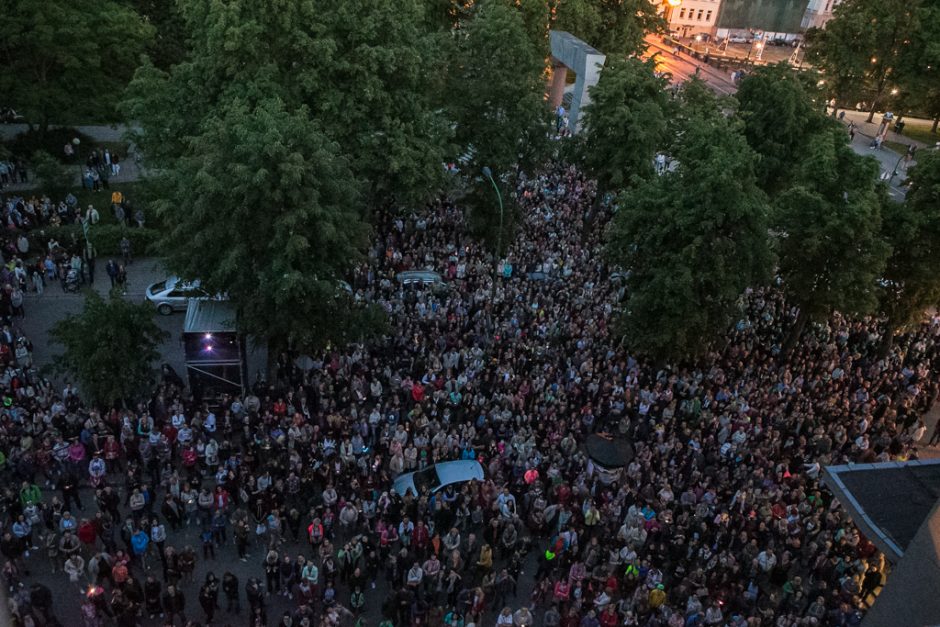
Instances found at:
x=277 y=508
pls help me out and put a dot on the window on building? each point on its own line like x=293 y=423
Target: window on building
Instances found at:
x=681 y=14
x=701 y=12
x=708 y=16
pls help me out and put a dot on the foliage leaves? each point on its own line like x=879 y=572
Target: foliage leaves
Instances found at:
x=67 y=59
x=495 y=90
x=263 y=207
x=692 y=239
x=912 y=274
x=779 y=117
x=109 y=347
x=830 y=247
x=862 y=47
x=615 y=27
x=625 y=123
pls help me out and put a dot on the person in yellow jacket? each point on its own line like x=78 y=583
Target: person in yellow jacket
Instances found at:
x=657 y=596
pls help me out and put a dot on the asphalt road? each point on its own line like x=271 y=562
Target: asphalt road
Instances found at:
x=682 y=67
x=43 y=311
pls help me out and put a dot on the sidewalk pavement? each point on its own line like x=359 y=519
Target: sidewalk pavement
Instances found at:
x=869 y=129
x=98 y=132
x=130 y=169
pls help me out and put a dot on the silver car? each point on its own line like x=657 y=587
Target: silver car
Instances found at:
x=173 y=294
x=438 y=476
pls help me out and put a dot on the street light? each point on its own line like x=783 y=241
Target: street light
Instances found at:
x=499 y=236
x=670 y=9
x=76 y=142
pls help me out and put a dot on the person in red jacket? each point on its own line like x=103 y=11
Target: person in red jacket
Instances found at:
x=421 y=538
x=221 y=498
x=112 y=453
x=87 y=532
x=609 y=617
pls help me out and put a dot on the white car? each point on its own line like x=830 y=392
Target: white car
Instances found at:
x=438 y=476
x=173 y=294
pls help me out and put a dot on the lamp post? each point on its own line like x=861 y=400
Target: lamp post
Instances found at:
x=76 y=143
x=499 y=236
x=670 y=8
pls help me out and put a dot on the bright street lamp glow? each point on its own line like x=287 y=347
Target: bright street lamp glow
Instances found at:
x=674 y=3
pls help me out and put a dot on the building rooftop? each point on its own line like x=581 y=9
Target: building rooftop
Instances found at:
x=889 y=501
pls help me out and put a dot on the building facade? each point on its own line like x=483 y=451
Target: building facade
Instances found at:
x=819 y=12
x=687 y=18
x=693 y=17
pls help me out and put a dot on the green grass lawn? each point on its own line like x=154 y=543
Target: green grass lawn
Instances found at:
x=898 y=147
x=921 y=132
x=102 y=200
x=132 y=190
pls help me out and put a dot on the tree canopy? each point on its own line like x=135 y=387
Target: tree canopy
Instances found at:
x=625 y=123
x=262 y=206
x=911 y=280
x=68 y=60
x=110 y=348
x=495 y=88
x=780 y=116
x=359 y=67
x=692 y=239
x=615 y=27
x=862 y=48
x=829 y=222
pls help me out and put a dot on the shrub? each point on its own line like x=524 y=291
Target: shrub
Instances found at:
x=53 y=175
x=26 y=144
x=106 y=238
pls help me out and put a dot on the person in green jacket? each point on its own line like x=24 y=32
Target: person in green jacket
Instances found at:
x=30 y=494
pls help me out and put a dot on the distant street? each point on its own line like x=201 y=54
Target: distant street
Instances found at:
x=682 y=67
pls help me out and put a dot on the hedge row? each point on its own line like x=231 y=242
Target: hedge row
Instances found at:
x=105 y=237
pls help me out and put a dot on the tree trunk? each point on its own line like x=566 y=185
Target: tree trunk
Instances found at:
x=936 y=122
x=593 y=211
x=793 y=335
x=887 y=340
x=871 y=114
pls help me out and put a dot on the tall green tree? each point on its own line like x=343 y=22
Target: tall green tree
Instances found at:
x=495 y=90
x=912 y=274
x=66 y=60
x=110 y=348
x=918 y=73
x=168 y=46
x=862 y=47
x=829 y=223
x=615 y=27
x=625 y=123
x=374 y=95
x=360 y=67
x=263 y=206
x=780 y=116
x=693 y=239
x=55 y=177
